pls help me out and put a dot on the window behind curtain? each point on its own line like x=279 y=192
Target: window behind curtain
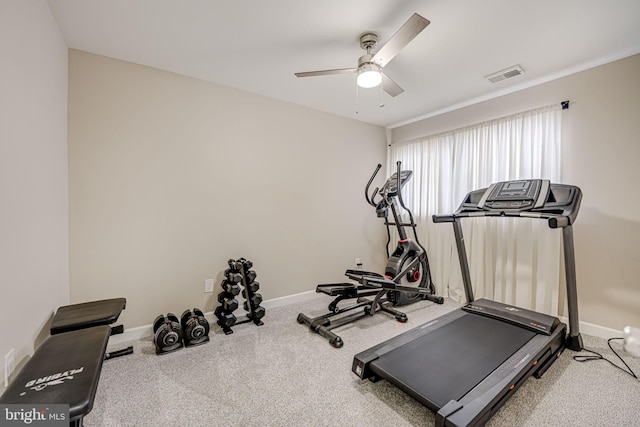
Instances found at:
x=447 y=166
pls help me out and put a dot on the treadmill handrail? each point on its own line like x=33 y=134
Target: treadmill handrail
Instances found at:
x=550 y=211
x=555 y=221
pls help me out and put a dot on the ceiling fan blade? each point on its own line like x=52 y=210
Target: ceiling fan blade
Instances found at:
x=391 y=87
x=400 y=39
x=327 y=72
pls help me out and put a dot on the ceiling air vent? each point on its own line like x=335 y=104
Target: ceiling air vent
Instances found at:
x=507 y=73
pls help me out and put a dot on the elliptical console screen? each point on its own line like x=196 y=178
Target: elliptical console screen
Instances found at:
x=390 y=187
x=520 y=194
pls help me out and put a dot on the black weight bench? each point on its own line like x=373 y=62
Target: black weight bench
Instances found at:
x=65 y=369
x=90 y=314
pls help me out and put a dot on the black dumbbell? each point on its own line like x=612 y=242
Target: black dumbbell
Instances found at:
x=258 y=313
x=233 y=277
x=222 y=296
x=231 y=288
x=234 y=265
x=250 y=275
x=247 y=264
x=167 y=333
x=230 y=305
x=253 y=287
x=195 y=327
x=254 y=300
x=225 y=320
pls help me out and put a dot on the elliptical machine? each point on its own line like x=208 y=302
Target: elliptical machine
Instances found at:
x=407 y=277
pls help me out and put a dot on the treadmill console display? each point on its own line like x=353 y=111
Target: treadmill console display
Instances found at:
x=534 y=198
x=520 y=195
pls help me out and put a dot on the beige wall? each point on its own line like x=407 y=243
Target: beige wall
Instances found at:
x=34 y=275
x=602 y=157
x=171 y=176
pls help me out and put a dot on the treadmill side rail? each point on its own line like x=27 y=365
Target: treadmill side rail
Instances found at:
x=484 y=400
x=447 y=410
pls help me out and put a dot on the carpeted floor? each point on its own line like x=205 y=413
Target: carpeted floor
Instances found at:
x=281 y=374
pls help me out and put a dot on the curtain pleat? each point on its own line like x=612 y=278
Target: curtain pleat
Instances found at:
x=512 y=260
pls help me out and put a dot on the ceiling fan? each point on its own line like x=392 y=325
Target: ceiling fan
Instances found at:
x=370 y=65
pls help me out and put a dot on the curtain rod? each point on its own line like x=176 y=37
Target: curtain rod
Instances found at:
x=564 y=106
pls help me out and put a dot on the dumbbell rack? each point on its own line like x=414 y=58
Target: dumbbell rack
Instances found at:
x=239 y=279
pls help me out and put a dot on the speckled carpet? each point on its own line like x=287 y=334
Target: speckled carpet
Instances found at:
x=281 y=374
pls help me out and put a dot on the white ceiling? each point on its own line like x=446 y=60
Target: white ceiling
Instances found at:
x=258 y=45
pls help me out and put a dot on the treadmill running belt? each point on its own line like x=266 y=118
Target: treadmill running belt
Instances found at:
x=448 y=362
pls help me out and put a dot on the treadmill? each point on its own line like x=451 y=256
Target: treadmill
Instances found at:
x=465 y=364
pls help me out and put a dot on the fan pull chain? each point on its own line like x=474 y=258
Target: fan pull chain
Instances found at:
x=357 y=98
x=381 y=100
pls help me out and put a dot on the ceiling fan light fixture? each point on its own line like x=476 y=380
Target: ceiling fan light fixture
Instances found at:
x=370 y=65
x=369 y=76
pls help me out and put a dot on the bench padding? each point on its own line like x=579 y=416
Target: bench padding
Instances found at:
x=65 y=369
x=87 y=315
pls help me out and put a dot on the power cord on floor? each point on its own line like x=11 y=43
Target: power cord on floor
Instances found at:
x=598 y=356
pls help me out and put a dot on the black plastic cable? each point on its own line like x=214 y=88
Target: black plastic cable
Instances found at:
x=598 y=356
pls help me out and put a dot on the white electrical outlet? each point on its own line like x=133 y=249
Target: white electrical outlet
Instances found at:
x=9 y=367
x=208 y=285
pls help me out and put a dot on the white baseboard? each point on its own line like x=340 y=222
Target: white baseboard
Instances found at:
x=289 y=299
x=146 y=331
x=595 y=330
x=131 y=334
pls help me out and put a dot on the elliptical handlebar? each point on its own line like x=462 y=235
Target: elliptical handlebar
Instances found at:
x=396 y=190
x=398 y=167
x=366 y=190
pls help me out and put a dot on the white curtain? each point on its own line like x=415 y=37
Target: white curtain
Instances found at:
x=512 y=260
